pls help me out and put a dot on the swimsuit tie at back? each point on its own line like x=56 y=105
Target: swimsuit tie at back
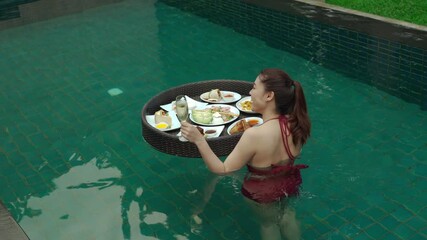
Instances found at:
x=286 y=132
x=275 y=169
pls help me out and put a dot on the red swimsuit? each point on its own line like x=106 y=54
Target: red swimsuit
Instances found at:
x=265 y=185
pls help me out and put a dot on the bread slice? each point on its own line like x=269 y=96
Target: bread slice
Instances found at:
x=162 y=116
x=215 y=94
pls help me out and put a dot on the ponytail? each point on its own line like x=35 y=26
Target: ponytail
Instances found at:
x=299 y=120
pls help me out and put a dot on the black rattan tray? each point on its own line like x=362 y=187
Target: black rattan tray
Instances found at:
x=168 y=142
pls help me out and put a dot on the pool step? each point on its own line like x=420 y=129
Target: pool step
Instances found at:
x=9 y=228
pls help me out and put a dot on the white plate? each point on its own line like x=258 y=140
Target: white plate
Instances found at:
x=236 y=97
x=260 y=121
x=232 y=110
x=217 y=128
x=175 y=122
x=239 y=105
x=192 y=104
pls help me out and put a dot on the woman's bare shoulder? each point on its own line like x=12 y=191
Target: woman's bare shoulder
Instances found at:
x=258 y=131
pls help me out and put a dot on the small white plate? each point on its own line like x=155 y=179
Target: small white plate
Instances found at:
x=260 y=121
x=236 y=97
x=217 y=128
x=192 y=104
x=239 y=105
x=175 y=122
x=232 y=110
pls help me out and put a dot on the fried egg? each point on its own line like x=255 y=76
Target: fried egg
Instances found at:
x=162 y=125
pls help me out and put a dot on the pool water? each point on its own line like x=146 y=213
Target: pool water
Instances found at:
x=73 y=163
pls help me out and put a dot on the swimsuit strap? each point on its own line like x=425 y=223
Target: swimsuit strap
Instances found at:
x=275 y=169
x=283 y=128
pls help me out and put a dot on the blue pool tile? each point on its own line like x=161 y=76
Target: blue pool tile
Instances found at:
x=146 y=230
x=420 y=170
x=418 y=236
x=390 y=223
x=322 y=228
x=417 y=223
x=235 y=233
x=335 y=235
x=362 y=236
x=404 y=231
x=322 y=213
x=391 y=236
x=402 y=215
x=310 y=233
x=362 y=221
x=375 y=213
x=335 y=221
x=375 y=231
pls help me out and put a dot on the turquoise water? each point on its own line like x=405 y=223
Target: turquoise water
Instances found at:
x=73 y=163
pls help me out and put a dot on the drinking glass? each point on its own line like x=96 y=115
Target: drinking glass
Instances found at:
x=181 y=109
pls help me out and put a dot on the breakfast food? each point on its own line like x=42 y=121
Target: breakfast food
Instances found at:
x=221 y=114
x=217 y=119
x=228 y=96
x=239 y=127
x=202 y=116
x=253 y=122
x=246 y=105
x=244 y=124
x=162 y=125
x=210 y=132
x=162 y=117
x=215 y=95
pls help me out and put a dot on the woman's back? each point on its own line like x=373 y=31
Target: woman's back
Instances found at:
x=270 y=147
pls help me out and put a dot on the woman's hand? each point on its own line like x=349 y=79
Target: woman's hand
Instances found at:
x=191 y=132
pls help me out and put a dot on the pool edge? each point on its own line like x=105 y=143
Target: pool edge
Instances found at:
x=9 y=228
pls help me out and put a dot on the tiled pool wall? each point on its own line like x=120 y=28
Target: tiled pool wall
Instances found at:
x=9 y=9
x=15 y=13
x=394 y=61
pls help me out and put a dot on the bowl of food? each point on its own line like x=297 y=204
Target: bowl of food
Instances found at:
x=210 y=133
x=228 y=96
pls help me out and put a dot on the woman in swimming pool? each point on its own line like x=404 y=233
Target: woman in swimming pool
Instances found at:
x=269 y=150
x=278 y=141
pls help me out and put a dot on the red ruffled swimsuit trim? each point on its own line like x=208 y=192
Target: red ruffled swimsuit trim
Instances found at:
x=276 y=182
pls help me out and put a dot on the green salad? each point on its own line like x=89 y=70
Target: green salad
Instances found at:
x=202 y=116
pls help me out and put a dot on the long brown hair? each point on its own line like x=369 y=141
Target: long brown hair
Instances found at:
x=290 y=99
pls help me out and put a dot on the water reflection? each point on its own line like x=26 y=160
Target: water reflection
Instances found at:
x=77 y=207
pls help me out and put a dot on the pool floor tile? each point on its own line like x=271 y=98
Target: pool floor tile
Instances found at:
x=376 y=231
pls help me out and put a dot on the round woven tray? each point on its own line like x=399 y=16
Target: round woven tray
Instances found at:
x=168 y=142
